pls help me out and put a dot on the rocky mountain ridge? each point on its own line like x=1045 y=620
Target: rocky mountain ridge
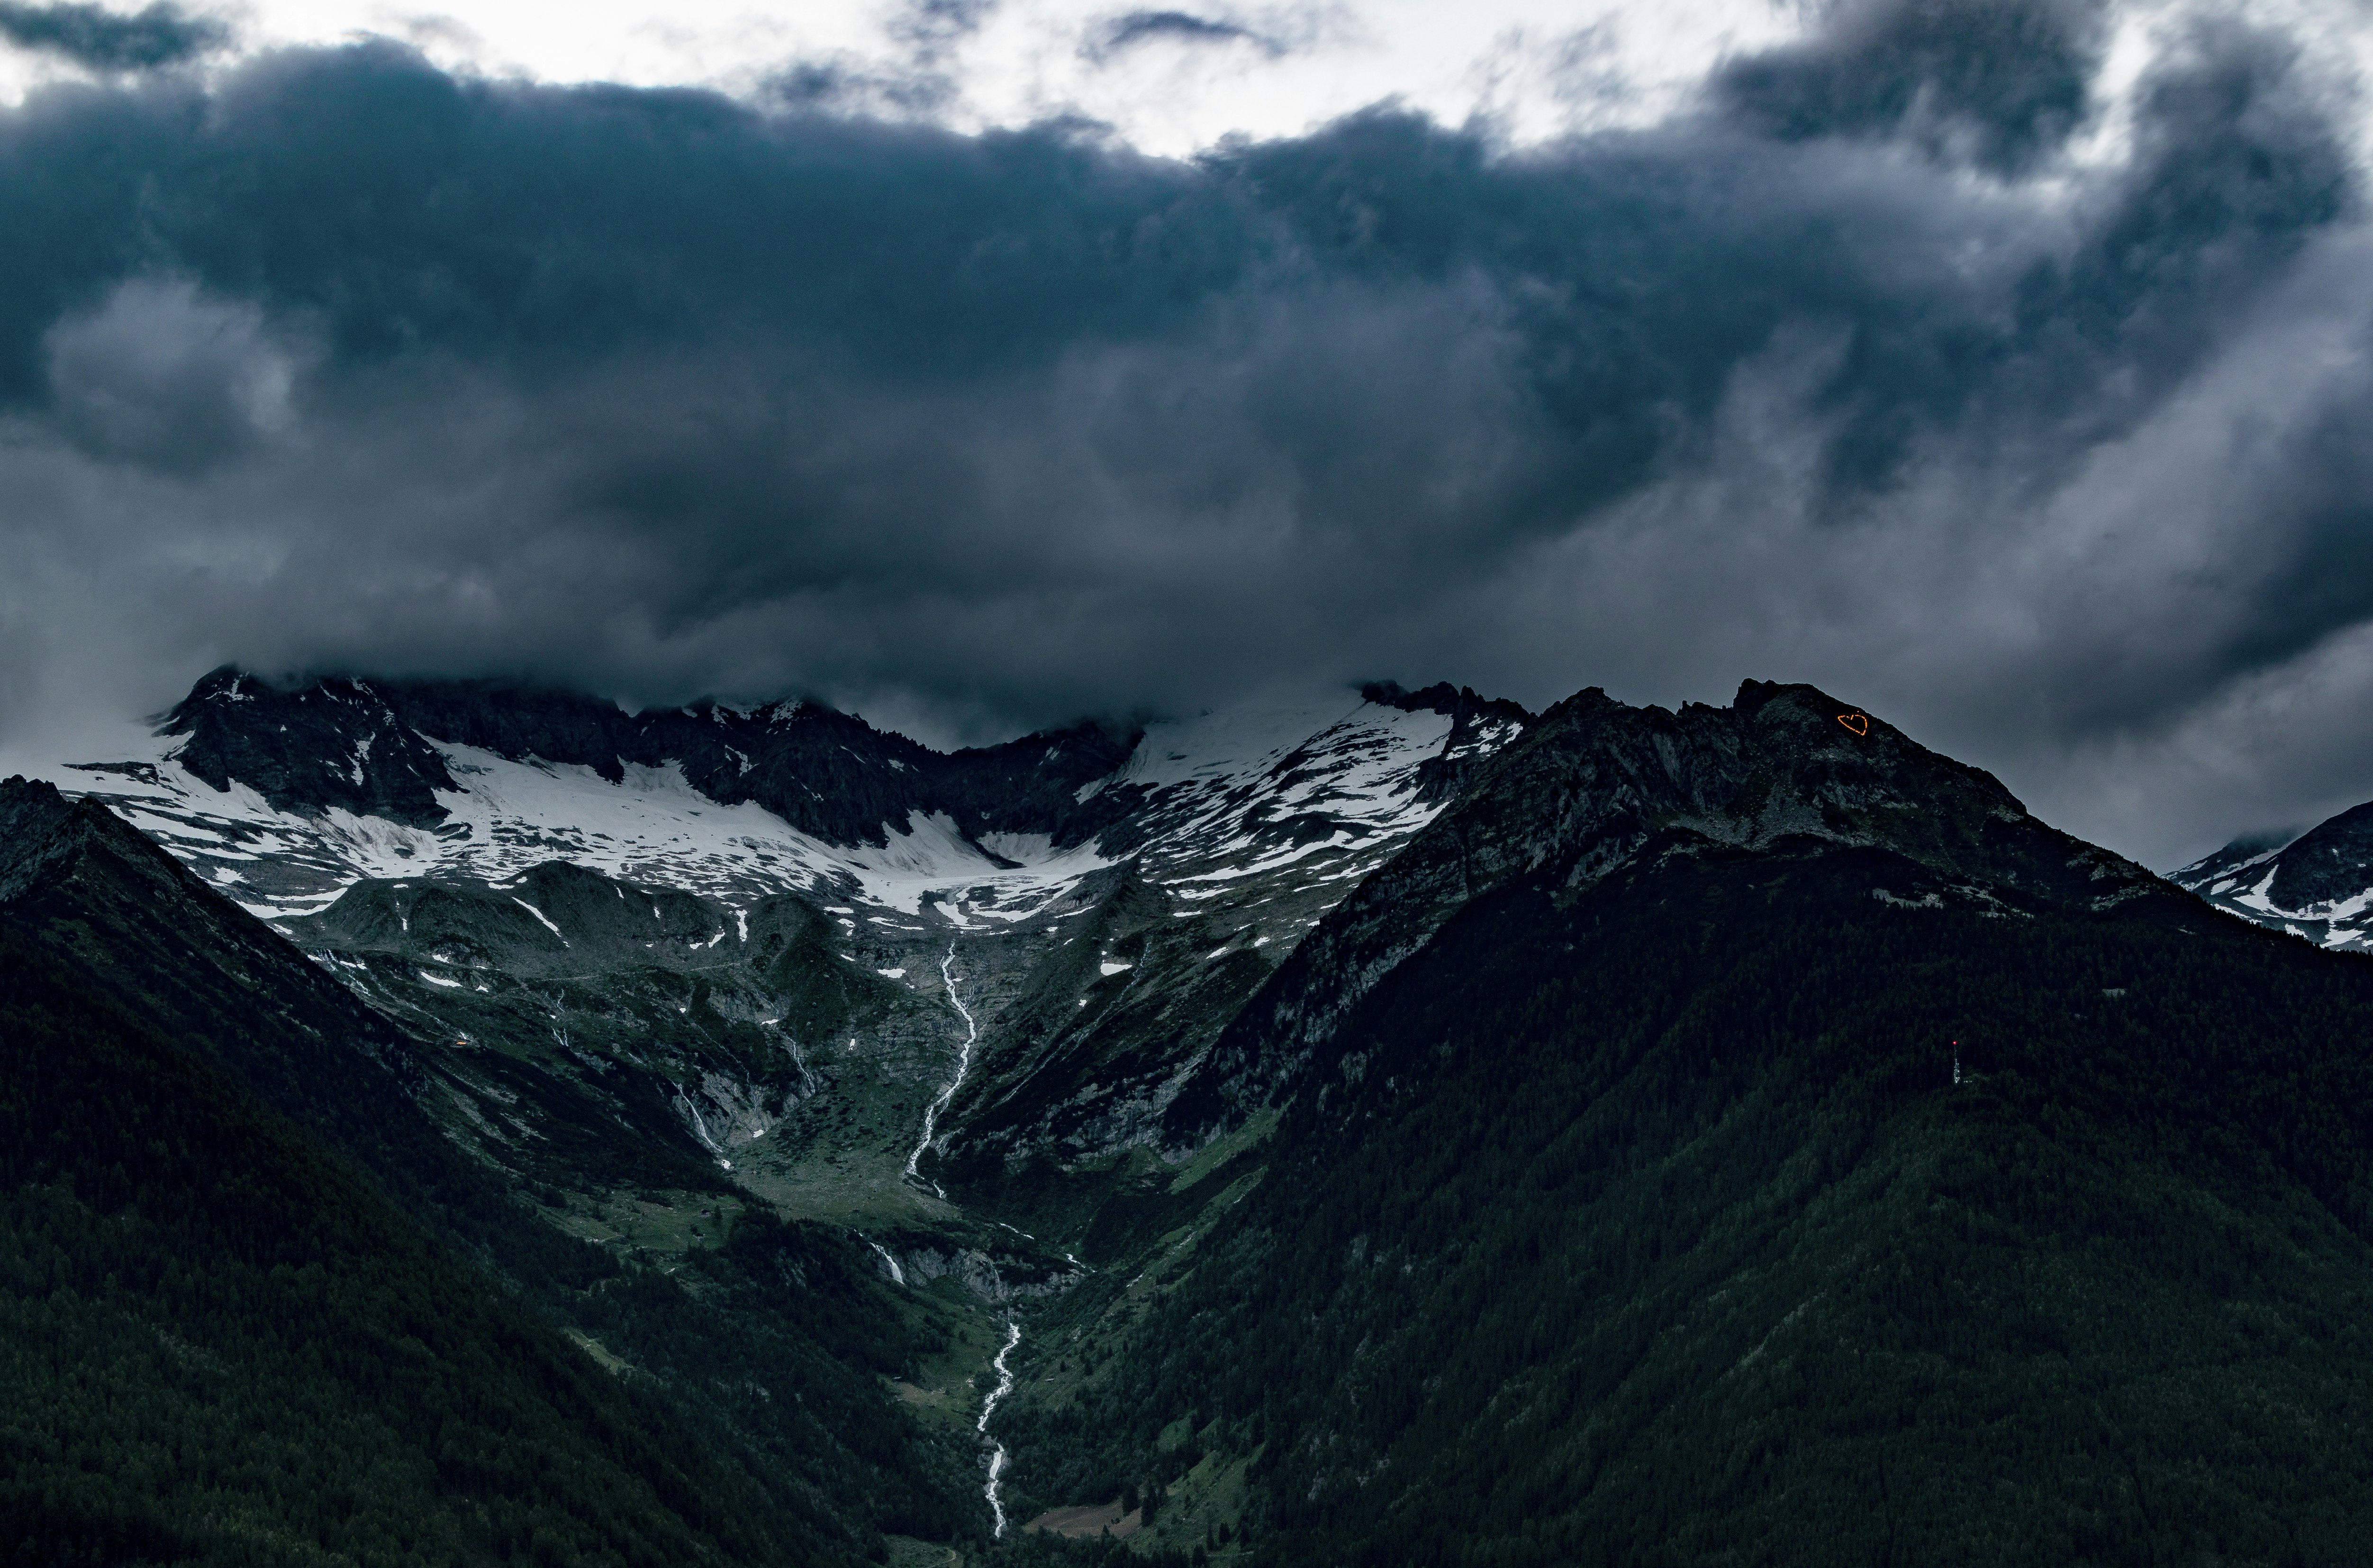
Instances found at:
x=1594 y=786
x=369 y=748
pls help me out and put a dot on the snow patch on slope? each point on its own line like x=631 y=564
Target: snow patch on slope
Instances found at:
x=1239 y=808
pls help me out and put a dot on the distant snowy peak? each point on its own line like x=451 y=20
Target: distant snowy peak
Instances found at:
x=2316 y=884
x=2240 y=856
x=1229 y=804
x=371 y=748
x=286 y=797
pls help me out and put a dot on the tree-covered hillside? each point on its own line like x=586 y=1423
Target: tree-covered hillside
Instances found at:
x=219 y=1347
x=1656 y=1228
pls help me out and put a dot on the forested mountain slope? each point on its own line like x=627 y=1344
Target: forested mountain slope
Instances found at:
x=221 y=1346
x=1727 y=1136
x=214 y=1140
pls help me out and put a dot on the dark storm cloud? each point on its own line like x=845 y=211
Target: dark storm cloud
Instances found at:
x=1122 y=33
x=346 y=361
x=2005 y=79
x=105 y=40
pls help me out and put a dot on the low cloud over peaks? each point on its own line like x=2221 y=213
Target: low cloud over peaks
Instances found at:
x=344 y=361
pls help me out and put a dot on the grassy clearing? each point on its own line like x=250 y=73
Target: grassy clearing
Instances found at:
x=669 y=1223
x=594 y=1348
x=1219 y=1151
x=1090 y=1519
x=856 y=1192
x=1204 y=1508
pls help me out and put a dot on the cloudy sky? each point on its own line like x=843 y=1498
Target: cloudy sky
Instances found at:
x=2000 y=365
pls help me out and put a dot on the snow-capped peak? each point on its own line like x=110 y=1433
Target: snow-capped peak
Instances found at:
x=1217 y=807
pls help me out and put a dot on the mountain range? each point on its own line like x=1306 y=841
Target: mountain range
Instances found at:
x=1396 y=1129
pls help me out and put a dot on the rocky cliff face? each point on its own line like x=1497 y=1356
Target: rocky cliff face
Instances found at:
x=333 y=745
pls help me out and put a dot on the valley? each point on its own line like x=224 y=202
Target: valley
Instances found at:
x=654 y=1015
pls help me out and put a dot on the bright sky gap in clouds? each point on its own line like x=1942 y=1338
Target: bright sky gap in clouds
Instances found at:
x=2001 y=365
x=1262 y=70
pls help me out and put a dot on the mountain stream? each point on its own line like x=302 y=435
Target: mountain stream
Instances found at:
x=964 y=1065
x=987 y=1409
x=997 y=1457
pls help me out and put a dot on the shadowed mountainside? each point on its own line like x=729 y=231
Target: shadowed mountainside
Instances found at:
x=1725 y=1137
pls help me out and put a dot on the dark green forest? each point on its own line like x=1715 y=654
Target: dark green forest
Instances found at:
x=1652 y=1227
x=223 y=1346
x=219 y=1347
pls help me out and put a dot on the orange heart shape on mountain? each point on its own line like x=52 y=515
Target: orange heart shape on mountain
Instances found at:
x=1858 y=722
